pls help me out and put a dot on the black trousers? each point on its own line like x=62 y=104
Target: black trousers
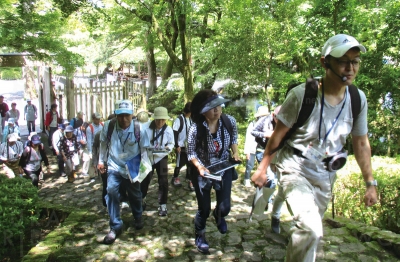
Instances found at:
x=34 y=176
x=183 y=161
x=162 y=171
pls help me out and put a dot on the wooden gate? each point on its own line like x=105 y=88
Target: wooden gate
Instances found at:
x=100 y=97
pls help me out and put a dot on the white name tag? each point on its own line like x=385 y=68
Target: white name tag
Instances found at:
x=123 y=155
x=313 y=154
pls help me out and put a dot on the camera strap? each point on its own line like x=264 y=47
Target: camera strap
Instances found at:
x=321 y=141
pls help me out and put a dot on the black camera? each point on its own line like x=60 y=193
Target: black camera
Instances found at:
x=337 y=161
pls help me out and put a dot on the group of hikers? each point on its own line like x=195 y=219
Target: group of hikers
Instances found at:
x=299 y=147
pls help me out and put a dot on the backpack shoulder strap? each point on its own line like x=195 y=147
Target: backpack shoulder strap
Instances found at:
x=137 y=130
x=91 y=128
x=228 y=125
x=180 y=123
x=110 y=129
x=307 y=106
x=355 y=101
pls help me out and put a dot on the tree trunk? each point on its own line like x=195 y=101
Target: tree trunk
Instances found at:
x=29 y=76
x=69 y=92
x=151 y=65
x=188 y=81
x=168 y=70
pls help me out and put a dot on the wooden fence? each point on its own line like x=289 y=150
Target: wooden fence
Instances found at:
x=100 y=97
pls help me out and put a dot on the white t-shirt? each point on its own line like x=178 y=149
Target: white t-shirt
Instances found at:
x=309 y=132
x=182 y=137
x=53 y=119
x=35 y=161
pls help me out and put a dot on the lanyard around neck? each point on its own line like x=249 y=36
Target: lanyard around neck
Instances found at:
x=321 y=141
x=120 y=139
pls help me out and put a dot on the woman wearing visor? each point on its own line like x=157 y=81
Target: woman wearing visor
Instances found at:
x=210 y=141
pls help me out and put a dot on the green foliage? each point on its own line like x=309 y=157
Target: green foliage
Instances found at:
x=10 y=73
x=350 y=189
x=18 y=198
x=170 y=96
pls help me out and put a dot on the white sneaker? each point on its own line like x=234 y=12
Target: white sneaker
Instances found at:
x=162 y=210
x=124 y=205
x=247 y=183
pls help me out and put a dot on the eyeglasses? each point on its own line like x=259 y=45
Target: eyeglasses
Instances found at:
x=346 y=63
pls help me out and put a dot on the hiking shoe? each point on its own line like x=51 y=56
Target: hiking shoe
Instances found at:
x=190 y=185
x=71 y=178
x=124 y=205
x=176 y=182
x=201 y=243
x=63 y=174
x=110 y=237
x=138 y=222
x=247 y=183
x=221 y=223
x=275 y=225
x=162 y=210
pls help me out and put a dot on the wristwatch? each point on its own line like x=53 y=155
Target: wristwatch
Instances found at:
x=371 y=183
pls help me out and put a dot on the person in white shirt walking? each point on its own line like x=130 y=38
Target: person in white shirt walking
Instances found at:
x=161 y=140
x=30 y=115
x=121 y=142
x=13 y=113
x=93 y=128
x=181 y=129
x=57 y=136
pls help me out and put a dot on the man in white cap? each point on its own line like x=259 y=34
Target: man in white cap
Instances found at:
x=308 y=161
x=10 y=153
x=30 y=115
x=122 y=143
x=161 y=138
x=10 y=129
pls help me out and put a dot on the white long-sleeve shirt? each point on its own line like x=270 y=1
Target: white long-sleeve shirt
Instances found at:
x=162 y=142
x=91 y=133
x=250 y=143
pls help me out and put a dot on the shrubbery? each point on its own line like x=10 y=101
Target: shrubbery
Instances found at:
x=10 y=73
x=18 y=198
x=350 y=189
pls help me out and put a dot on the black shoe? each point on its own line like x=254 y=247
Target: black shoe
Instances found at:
x=176 y=182
x=138 y=222
x=110 y=237
x=275 y=225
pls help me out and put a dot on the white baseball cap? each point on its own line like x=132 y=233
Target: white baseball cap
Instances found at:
x=124 y=107
x=338 y=45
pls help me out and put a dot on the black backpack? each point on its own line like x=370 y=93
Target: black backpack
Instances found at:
x=181 y=123
x=310 y=96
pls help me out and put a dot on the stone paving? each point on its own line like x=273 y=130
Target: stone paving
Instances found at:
x=80 y=235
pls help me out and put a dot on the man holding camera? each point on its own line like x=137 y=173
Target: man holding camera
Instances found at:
x=308 y=161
